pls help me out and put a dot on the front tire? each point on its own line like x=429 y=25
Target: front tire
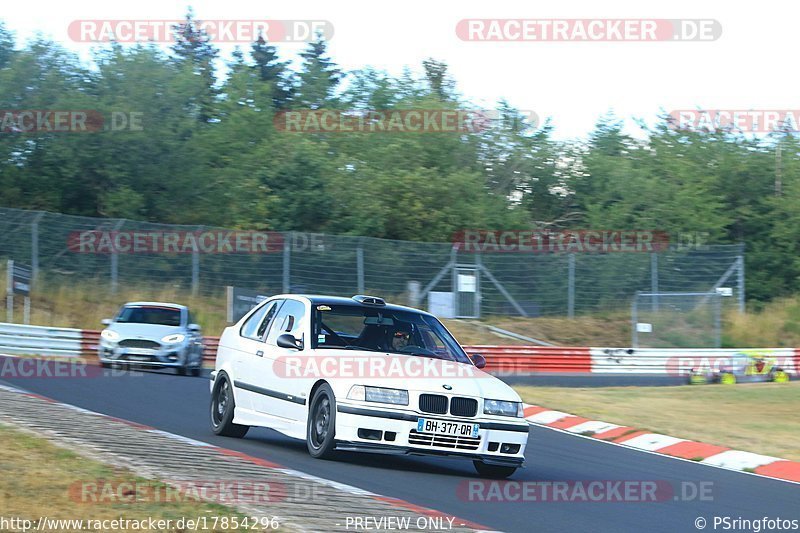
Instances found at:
x=321 y=426
x=222 y=407
x=493 y=471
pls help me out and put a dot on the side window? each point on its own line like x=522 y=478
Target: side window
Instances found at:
x=255 y=326
x=289 y=319
x=265 y=324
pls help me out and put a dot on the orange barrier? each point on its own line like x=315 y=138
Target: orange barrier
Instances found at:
x=509 y=360
x=89 y=340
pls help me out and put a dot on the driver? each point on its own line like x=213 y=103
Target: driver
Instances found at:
x=400 y=340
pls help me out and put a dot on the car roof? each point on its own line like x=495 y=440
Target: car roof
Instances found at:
x=320 y=299
x=158 y=304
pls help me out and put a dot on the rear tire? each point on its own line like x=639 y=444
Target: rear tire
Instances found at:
x=321 y=425
x=780 y=376
x=493 y=471
x=222 y=408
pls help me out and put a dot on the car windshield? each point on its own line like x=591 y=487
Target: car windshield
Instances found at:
x=377 y=329
x=150 y=314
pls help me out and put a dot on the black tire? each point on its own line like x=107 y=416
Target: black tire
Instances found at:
x=321 y=425
x=181 y=370
x=195 y=370
x=493 y=471
x=222 y=406
x=103 y=364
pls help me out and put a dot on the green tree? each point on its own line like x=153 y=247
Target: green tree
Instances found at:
x=273 y=71
x=319 y=76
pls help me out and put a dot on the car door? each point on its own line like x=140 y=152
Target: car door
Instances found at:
x=284 y=396
x=250 y=348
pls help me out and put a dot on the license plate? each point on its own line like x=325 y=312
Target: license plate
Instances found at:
x=442 y=427
x=138 y=358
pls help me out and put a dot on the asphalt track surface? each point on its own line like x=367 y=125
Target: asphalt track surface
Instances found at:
x=180 y=404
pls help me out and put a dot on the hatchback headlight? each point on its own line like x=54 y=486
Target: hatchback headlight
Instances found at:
x=378 y=395
x=174 y=338
x=502 y=408
x=109 y=335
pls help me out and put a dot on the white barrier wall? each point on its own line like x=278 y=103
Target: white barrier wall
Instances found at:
x=679 y=362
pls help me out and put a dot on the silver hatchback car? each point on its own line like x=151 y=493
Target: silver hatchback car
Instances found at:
x=150 y=335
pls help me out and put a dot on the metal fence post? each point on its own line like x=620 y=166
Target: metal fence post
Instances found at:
x=10 y=291
x=454 y=280
x=740 y=259
x=35 y=245
x=717 y=320
x=478 y=297
x=287 y=259
x=360 y=268
x=635 y=320
x=196 y=266
x=654 y=280
x=195 y=272
x=571 y=286
x=115 y=261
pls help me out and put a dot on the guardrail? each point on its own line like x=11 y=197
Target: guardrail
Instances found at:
x=16 y=339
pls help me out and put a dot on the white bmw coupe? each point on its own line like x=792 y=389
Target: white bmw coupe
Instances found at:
x=358 y=374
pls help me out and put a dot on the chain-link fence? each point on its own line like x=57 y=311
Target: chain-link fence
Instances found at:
x=417 y=273
x=677 y=319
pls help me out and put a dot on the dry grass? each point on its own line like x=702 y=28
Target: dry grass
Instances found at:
x=760 y=417
x=83 y=305
x=776 y=325
x=36 y=478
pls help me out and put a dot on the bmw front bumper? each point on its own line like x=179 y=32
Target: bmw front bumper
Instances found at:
x=392 y=431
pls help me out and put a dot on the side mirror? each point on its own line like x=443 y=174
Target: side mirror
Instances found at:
x=106 y=321
x=193 y=327
x=478 y=360
x=287 y=340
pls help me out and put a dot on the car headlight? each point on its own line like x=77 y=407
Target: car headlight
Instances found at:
x=499 y=407
x=378 y=395
x=174 y=338
x=109 y=335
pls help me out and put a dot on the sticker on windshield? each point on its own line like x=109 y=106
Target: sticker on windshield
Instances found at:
x=323 y=308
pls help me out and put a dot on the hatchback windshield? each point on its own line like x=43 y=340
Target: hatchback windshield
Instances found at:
x=405 y=332
x=162 y=316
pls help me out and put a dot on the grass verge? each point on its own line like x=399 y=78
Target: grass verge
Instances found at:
x=39 y=479
x=757 y=417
